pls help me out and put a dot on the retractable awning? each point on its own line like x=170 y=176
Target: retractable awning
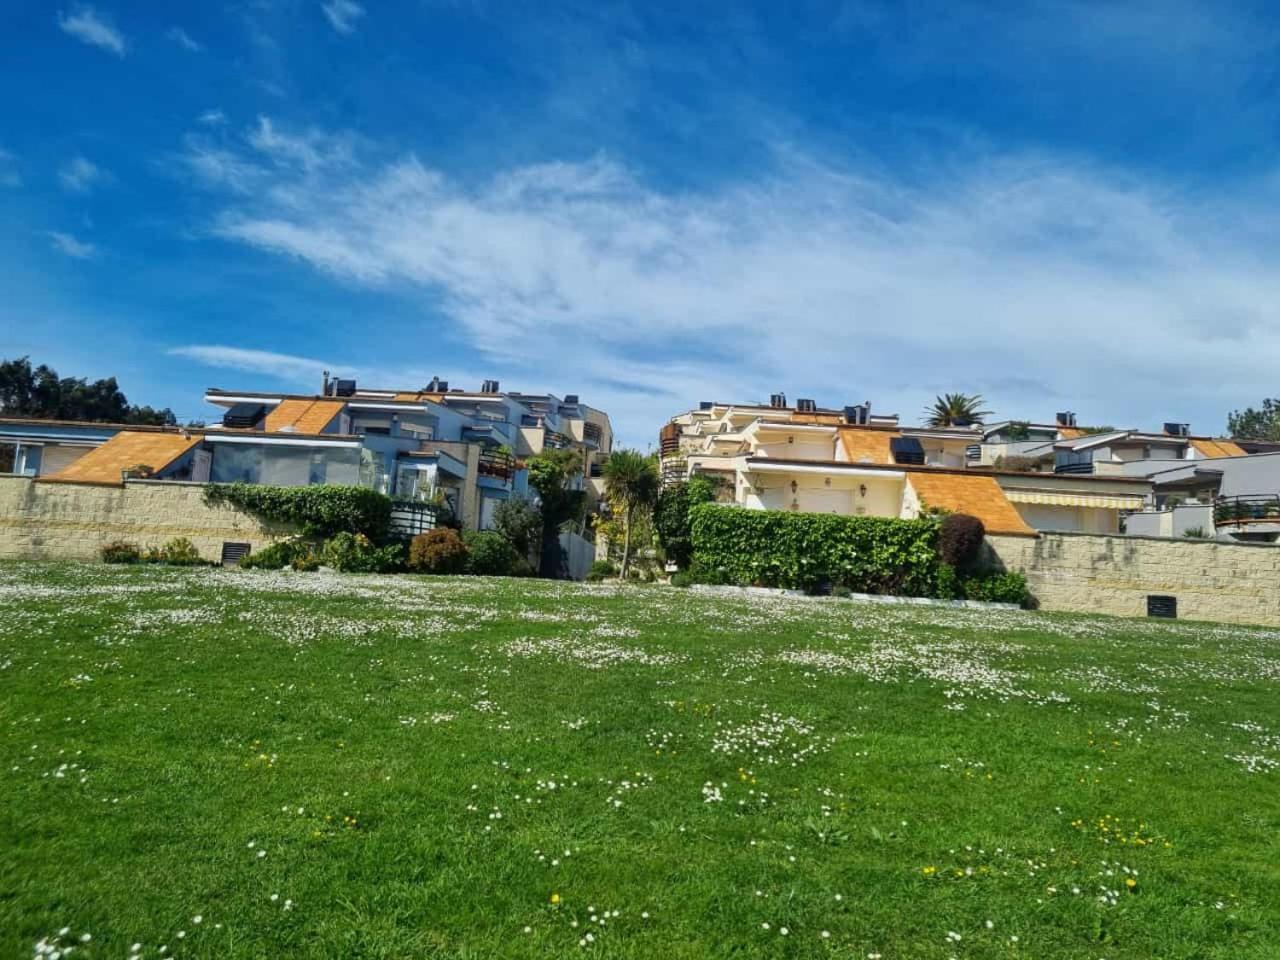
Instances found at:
x=1099 y=501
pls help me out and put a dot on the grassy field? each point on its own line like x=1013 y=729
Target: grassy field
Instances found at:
x=225 y=764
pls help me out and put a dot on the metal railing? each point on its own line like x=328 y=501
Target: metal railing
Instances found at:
x=496 y=463
x=1241 y=511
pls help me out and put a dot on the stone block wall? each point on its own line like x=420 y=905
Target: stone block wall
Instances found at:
x=56 y=521
x=1095 y=573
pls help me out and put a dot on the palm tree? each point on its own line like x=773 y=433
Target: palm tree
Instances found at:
x=630 y=479
x=956 y=410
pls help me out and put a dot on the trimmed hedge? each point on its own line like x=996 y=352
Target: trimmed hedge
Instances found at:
x=774 y=548
x=322 y=510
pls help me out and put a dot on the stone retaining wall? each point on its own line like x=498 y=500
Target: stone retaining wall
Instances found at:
x=1095 y=573
x=57 y=521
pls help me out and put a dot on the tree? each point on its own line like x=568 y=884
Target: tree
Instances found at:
x=671 y=517
x=552 y=474
x=520 y=521
x=630 y=481
x=40 y=393
x=956 y=410
x=1251 y=424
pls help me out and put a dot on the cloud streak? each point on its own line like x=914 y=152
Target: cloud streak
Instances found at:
x=184 y=40
x=342 y=14
x=67 y=244
x=1026 y=277
x=79 y=175
x=89 y=26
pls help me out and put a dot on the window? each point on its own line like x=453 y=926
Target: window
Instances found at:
x=318 y=468
x=8 y=458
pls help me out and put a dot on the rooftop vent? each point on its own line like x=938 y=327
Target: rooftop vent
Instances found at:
x=1066 y=418
x=344 y=388
x=437 y=386
x=806 y=406
x=489 y=386
x=778 y=401
x=858 y=414
x=706 y=404
x=1177 y=429
x=906 y=450
x=571 y=399
x=244 y=416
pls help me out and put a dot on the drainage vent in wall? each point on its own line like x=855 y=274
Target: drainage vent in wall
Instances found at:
x=233 y=553
x=1162 y=606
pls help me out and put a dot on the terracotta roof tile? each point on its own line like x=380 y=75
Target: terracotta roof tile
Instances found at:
x=103 y=465
x=978 y=496
x=1071 y=433
x=862 y=445
x=303 y=416
x=1214 y=449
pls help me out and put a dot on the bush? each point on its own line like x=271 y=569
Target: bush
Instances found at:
x=321 y=510
x=601 y=570
x=998 y=588
x=489 y=554
x=960 y=539
x=949 y=585
x=682 y=578
x=181 y=552
x=671 y=520
x=274 y=556
x=153 y=555
x=120 y=552
x=520 y=521
x=776 y=548
x=438 y=551
x=355 y=553
x=305 y=561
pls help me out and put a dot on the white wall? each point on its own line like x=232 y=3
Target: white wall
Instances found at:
x=1044 y=516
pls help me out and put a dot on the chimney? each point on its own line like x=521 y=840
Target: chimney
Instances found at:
x=858 y=414
x=805 y=405
x=778 y=401
x=324 y=390
x=1066 y=419
x=1177 y=429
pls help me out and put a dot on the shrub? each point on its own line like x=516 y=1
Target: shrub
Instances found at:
x=321 y=510
x=777 y=548
x=489 y=554
x=671 y=520
x=601 y=570
x=949 y=585
x=1195 y=533
x=305 y=561
x=153 y=555
x=682 y=578
x=520 y=521
x=959 y=539
x=438 y=551
x=274 y=556
x=998 y=588
x=355 y=553
x=120 y=552
x=181 y=552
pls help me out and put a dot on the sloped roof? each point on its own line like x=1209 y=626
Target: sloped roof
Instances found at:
x=303 y=416
x=1071 y=433
x=863 y=445
x=1213 y=449
x=978 y=496
x=103 y=465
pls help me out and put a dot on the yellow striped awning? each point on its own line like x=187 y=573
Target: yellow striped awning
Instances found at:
x=1100 y=501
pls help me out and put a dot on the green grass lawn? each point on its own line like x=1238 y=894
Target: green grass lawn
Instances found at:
x=217 y=763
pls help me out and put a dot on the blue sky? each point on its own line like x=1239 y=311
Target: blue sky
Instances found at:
x=1061 y=205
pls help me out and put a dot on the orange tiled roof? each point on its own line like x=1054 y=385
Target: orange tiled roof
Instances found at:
x=1213 y=449
x=862 y=445
x=1071 y=433
x=303 y=416
x=126 y=449
x=978 y=496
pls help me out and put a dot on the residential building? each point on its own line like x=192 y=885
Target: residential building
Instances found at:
x=459 y=448
x=851 y=462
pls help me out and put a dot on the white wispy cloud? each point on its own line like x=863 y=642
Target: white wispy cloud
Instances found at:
x=212 y=118
x=183 y=39
x=87 y=24
x=342 y=14
x=69 y=245
x=79 y=175
x=1040 y=281
x=281 y=365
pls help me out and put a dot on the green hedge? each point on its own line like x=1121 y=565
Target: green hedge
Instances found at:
x=322 y=510
x=774 y=548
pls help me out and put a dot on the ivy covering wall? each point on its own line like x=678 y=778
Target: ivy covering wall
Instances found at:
x=322 y=510
x=774 y=548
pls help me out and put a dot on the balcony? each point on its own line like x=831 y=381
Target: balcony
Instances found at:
x=557 y=441
x=592 y=434
x=496 y=463
x=1259 y=513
